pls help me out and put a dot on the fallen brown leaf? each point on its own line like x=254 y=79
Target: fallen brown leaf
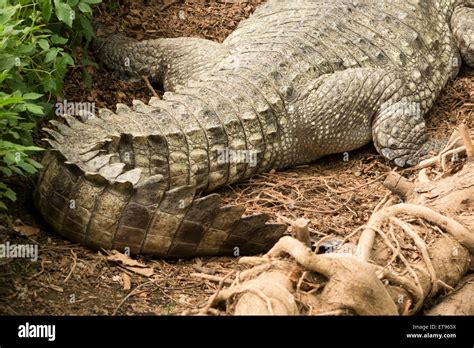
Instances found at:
x=143 y=294
x=125 y=260
x=26 y=231
x=147 y=272
x=130 y=264
x=53 y=287
x=127 y=284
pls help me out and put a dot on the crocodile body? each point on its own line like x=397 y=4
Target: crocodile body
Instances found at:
x=296 y=81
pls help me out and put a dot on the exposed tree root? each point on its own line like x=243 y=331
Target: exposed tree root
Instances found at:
x=407 y=256
x=460 y=302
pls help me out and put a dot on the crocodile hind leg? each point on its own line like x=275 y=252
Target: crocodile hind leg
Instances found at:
x=399 y=128
x=169 y=62
x=462 y=25
x=370 y=103
x=400 y=134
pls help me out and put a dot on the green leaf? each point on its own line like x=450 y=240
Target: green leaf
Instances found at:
x=10 y=195
x=72 y=3
x=6 y=171
x=51 y=55
x=7 y=62
x=67 y=59
x=10 y=100
x=14 y=134
x=34 y=163
x=44 y=44
x=27 y=125
x=3 y=75
x=26 y=49
x=86 y=77
x=7 y=13
x=32 y=148
x=46 y=9
x=19 y=108
x=33 y=108
x=87 y=62
x=10 y=158
x=85 y=8
x=49 y=85
x=92 y=1
x=58 y=40
x=3 y=206
x=87 y=27
x=64 y=12
x=47 y=107
x=11 y=116
x=16 y=170
x=31 y=96
x=15 y=83
x=27 y=167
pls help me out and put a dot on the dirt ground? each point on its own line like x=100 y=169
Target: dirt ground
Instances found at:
x=336 y=194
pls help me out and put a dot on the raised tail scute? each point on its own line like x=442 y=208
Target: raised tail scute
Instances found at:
x=88 y=195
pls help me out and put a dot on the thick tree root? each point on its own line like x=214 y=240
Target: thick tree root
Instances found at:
x=348 y=280
x=460 y=302
x=406 y=258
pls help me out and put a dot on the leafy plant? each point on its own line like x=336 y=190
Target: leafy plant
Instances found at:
x=36 y=39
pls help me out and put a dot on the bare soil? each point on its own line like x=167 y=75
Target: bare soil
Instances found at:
x=337 y=194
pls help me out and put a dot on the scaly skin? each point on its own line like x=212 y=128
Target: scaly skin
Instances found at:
x=296 y=81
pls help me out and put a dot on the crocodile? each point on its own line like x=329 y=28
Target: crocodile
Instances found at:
x=295 y=81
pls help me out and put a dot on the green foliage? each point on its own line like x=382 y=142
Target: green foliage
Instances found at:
x=36 y=38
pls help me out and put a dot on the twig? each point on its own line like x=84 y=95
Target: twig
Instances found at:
x=466 y=137
x=12 y=310
x=423 y=176
x=214 y=296
x=396 y=279
x=456 y=229
x=290 y=222
x=357 y=187
x=421 y=245
x=236 y=280
x=399 y=185
x=166 y=295
x=387 y=200
x=164 y=7
x=300 y=281
x=444 y=157
x=40 y=272
x=453 y=147
x=133 y=292
x=420 y=294
x=73 y=267
x=300 y=231
x=254 y=260
x=399 y=249
x=150 y=87
x=352 y=234
x=212 y=278
x=253 y=272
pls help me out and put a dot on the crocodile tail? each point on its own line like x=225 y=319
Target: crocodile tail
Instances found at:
x=95 y=190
